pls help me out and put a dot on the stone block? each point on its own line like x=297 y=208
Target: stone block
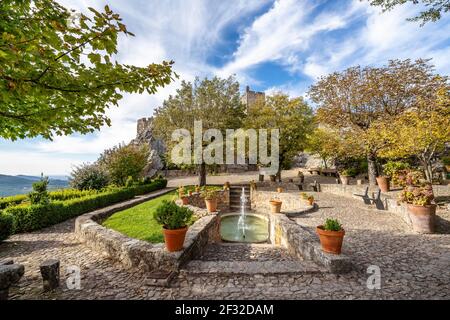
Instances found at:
x=9 y=274
x=50 y=274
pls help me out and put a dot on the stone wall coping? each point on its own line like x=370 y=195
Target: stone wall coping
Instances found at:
x=138 y=253
x=301 y=242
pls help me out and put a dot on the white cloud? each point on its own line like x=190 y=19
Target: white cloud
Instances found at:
x=33 y=163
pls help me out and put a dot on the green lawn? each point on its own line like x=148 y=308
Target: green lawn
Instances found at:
x=138 y=222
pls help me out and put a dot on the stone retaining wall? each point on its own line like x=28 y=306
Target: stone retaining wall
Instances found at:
x=388 y=201
x=302 y=243
x=223 y=200
x=137 y=253
x=292 y=203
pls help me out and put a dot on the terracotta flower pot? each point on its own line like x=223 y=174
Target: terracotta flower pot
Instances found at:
x=174 y=239
x=383 y=183
x=422 y=217
x=275 y=206
x=211 y=205
x=185 y=200
x=279 y=190
x=345 y=180
x=331 y=241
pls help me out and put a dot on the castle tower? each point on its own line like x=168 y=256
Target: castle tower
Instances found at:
x=250 y=97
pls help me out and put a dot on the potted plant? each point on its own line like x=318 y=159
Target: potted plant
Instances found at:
x=304 y=196
x=345 y=175
x=210 y=197
x=421 y=210
x=185 y=200
x=389 y=171
x=331 y=235
x=180 y=191
x=174 y=220
x=275 y=205
x=310 y=200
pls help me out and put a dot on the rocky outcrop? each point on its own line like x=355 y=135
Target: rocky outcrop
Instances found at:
x=157 y=148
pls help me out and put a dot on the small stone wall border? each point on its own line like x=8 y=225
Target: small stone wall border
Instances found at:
x=292 y=203
x=134 y=253
x=389 y=201
x=300 y=242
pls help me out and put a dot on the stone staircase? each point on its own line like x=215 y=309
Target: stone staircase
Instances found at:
x=227 y=259
x=235 y=197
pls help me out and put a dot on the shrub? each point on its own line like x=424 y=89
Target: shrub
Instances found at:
x=332 y=225
x=88 y=177
x=34 y=217
x=124 y=161
x=392 y=167
x=351 y=172
x=6 y=226
x=408 y=177
x=13 y=200
x=419 y=196
x=39 y=195
x=67 y=194
x=172 y=216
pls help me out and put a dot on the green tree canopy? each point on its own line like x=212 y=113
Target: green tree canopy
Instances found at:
x=58 y=73
x=292 y=116
x=433 y=12
x=216 y=102
x=124 y=161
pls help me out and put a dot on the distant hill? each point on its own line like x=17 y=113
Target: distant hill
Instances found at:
x=20 y=184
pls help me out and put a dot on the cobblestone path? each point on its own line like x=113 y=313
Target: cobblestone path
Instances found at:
x=411 y=265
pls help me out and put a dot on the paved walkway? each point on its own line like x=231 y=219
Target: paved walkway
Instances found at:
x=412 y=266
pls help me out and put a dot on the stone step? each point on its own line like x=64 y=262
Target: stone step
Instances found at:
x=268 y=267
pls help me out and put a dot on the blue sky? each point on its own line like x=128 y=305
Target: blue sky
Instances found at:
x=270 y=45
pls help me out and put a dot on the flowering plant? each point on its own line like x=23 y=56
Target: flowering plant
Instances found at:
x=419 y=196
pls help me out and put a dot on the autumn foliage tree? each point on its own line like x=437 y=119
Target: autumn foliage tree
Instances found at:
x=58 y=72
x=365 y=102
x=423 y=131
x=325 y=143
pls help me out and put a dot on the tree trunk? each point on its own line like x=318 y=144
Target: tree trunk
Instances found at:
x=325 y=163
x=372 y=169
x=202 y=174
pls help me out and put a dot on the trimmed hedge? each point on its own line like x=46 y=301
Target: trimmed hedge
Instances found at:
x=35 y=217
x=13 y=200
x=6 y=226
